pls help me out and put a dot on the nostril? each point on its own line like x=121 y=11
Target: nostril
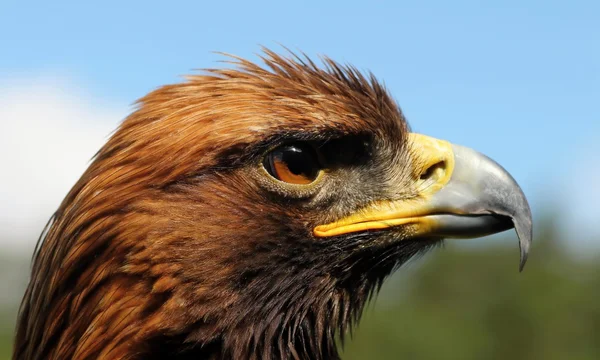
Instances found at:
x=435 y=171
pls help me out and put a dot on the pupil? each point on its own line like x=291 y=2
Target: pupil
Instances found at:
x=297 y=161
x=294 y=164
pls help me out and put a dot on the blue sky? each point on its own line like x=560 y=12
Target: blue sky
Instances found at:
x=516 y=80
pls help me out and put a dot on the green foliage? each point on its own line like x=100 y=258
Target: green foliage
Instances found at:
x=7 y=321
x=473 y=304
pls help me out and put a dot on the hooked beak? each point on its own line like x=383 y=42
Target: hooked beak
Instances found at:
x=461 y=194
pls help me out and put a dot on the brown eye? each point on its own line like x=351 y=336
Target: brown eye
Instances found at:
x=293 y=164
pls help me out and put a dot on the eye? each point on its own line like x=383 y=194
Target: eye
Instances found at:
x=293 y=164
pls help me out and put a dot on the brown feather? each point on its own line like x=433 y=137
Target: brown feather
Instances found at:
x=169 y=246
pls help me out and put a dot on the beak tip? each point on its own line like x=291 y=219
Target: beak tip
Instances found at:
x=525 y=235
x=524 y=255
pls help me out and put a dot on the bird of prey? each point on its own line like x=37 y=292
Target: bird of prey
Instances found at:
x=249 y=213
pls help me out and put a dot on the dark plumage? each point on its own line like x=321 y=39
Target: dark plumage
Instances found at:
x=177 y=243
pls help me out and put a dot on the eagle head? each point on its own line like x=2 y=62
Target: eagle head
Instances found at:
x=250 y=213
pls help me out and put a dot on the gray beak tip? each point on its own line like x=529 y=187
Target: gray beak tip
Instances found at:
x=523 y=227
x=524 y=254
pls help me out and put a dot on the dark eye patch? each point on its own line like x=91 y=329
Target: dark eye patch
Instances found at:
x=346 y=151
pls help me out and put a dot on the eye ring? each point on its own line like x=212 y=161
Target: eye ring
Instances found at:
x=295 y=164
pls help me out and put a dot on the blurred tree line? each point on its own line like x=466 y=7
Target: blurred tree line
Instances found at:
x=472 y=303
